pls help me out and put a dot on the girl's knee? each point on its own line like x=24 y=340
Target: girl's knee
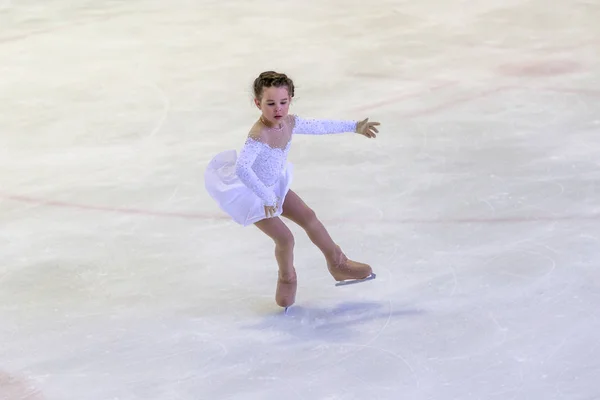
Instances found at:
x=285 y=239
x=309 y=218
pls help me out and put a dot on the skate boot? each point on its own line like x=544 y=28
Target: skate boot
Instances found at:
x=285 y=295
x=346 y=271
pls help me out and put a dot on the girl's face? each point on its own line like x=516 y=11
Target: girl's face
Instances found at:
x=274 y=104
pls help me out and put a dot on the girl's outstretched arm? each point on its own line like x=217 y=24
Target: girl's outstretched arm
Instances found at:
x=304 y=126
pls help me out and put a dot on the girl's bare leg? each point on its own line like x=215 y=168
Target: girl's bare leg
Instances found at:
x=339 y=266
x=276 y=229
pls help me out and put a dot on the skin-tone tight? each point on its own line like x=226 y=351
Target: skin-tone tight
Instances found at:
x=297 y=211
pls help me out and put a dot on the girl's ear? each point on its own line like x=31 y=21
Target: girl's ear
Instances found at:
x=257 y=103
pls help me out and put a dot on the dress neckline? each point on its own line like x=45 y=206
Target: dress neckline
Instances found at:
x=272 y=147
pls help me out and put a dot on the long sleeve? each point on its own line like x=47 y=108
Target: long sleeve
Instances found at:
x=243 y=169
x=322 y=126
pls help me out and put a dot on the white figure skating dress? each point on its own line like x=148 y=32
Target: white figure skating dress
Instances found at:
x=261 y=175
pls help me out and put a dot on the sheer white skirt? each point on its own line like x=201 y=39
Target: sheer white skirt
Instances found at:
x=234 y=197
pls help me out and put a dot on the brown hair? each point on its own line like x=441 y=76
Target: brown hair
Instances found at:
x=270 y=79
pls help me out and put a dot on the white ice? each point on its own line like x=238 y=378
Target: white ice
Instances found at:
x=478 y=205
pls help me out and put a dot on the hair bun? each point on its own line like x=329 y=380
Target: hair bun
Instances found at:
x=272 y=79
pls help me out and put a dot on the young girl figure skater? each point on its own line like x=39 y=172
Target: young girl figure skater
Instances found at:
x=254 y=187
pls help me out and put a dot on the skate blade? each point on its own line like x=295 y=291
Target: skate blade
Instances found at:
x=354 y=281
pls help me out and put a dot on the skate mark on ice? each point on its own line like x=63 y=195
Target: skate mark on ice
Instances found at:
x=455 y=281
x=489 y=205
x=550 y=269
x=501 y=328
x=557 y=349
x=368 y=344
x=170 y=199
x=330 y=325
x=166 y=108
x=535 y=276
x=221 y=345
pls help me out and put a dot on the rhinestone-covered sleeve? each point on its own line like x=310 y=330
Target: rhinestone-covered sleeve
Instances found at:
x=322 y=126
x=243 y=169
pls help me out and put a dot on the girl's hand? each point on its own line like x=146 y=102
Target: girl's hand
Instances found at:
x=270 y=211
x=367 y=128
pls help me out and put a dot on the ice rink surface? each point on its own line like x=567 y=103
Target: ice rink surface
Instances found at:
x=478 y=205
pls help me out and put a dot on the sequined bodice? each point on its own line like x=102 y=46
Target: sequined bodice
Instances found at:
x=269 y=161
x=259 y=166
